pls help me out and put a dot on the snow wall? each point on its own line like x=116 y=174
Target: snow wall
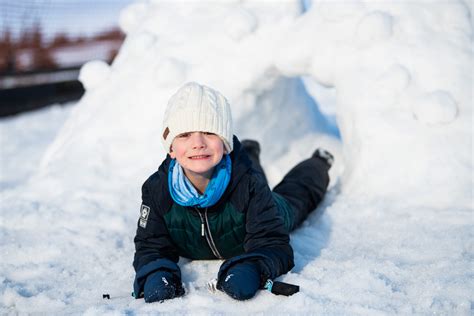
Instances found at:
x=400 y=71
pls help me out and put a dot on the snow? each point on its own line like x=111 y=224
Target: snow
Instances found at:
x=385 y=86
x=435 y=108
x=94 y=73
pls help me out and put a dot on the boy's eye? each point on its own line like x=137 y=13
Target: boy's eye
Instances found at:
x=184 y=135
x=207 y=133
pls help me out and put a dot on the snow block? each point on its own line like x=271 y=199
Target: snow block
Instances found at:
x=375 y=26
x=93 y=73
x=434 y=108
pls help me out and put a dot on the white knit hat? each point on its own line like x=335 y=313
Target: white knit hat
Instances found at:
x=197 y=108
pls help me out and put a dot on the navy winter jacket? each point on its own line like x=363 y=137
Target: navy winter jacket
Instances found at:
x=249 y=223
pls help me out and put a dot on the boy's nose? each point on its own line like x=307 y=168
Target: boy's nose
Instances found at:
x=197 y=139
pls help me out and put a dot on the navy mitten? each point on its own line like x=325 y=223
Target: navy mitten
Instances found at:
x=241 y=281
x=161 y=285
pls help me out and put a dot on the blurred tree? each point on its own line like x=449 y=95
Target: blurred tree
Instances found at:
x=112 y=34
x=7 y=52
x=41 y=55
x=59 y=40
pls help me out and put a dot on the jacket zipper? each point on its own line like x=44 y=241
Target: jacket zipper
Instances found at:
x=206 y=232
x=216 y=252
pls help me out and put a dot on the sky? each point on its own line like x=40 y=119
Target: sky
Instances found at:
x=76 y=17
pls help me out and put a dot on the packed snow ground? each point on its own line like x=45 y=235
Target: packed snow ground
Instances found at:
x=395 y=233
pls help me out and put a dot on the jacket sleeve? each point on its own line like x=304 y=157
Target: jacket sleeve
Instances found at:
x=267 y=239
x=154 y=249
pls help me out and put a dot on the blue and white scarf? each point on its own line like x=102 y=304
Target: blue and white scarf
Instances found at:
x=184 y=193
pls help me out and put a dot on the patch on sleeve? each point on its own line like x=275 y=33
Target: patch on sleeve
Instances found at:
x=144 y=213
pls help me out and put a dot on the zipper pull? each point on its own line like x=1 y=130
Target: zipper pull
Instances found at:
x=202 y=222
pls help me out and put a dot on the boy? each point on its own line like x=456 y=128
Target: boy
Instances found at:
x=210 y=199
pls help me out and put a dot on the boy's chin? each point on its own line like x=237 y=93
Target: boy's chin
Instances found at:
x=202 y=171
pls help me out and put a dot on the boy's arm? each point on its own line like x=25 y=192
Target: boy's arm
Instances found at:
x=267 y=240
x=154 y=250
x=266 y=232
x=152 y=240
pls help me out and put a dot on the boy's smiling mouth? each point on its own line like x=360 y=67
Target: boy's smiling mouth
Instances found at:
x=199 y=157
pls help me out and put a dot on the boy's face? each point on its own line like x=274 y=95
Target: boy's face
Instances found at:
x=197 y=152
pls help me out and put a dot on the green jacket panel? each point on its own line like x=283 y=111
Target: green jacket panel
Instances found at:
x=227 y=226
x=186 y=230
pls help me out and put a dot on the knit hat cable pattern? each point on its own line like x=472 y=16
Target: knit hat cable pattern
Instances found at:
x=197 y=108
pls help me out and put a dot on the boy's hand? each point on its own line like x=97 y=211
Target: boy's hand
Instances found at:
x=242 y=281
x=161 y=286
